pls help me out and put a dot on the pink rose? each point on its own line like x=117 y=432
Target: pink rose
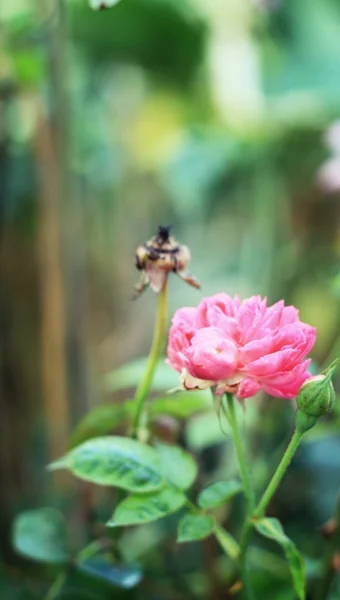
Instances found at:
x=241 y=347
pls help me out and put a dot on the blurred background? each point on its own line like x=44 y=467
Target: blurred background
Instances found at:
x=221 y=118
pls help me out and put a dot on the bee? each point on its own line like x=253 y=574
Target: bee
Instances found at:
x=160 y=256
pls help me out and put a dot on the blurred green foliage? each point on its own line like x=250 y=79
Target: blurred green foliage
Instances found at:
x=171 y=51
x=216 y=117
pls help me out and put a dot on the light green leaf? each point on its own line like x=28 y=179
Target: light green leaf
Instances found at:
x=135 y=542
x=272 y=529
x=204 y=431
x=218 y=493
x=28 y=66
x=100 y=421
x=130 y=375
x=143 y=508
x=227 y=542
x=116 y=461
x=41 y=535
x=181 y=404
x=178 y=466
x=195 y=527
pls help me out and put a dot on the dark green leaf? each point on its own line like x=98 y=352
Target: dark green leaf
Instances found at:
x=41 y=535
x=218 y=493
x=116 y=461
x=178 y=466
x=195 y=527
x=181 y=405
x=100 y=421
x=272 y=529
x=143 y=508
x=118 y=575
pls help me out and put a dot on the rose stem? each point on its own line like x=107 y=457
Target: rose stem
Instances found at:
x=268 y=494
x=240 y=453
x=242 y=461
x=156 y=349
x=278 y=475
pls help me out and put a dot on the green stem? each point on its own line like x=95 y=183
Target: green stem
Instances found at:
x=155 y=352
x=245 y=539
x=241 y=456
x=278 y=475
x=56 y=586
x=250 y=499
x=93 y=548
x=262 y=505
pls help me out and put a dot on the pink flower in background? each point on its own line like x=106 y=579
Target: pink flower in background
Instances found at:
x=241 y=347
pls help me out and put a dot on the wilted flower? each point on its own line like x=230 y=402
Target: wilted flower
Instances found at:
x=160 y=256
x=241 y=347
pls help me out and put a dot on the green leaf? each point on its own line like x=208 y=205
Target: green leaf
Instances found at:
x=195 y=527
x=178 y=466
x=29 y=66
x=143 y=508
x=180 y=405
x=205 y=431
x=272 y=529
x=227 y=542
x=120 y=576
x=130 y=375
x=100 y=421
x=117 y=461
x=41 y=535
x=137 y=542
x=218 y=493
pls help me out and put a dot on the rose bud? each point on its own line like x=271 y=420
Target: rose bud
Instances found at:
x=315 y=398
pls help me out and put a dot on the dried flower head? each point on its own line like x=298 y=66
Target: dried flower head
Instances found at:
x=160 y=256
x=241 y=347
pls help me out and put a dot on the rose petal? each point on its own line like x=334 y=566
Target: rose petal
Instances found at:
x=211 y=355
x=226 y=342
x=247 y=388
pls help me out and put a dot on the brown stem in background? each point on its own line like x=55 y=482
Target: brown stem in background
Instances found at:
x=54 y=380
x=61 y=255
x=50 y=147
